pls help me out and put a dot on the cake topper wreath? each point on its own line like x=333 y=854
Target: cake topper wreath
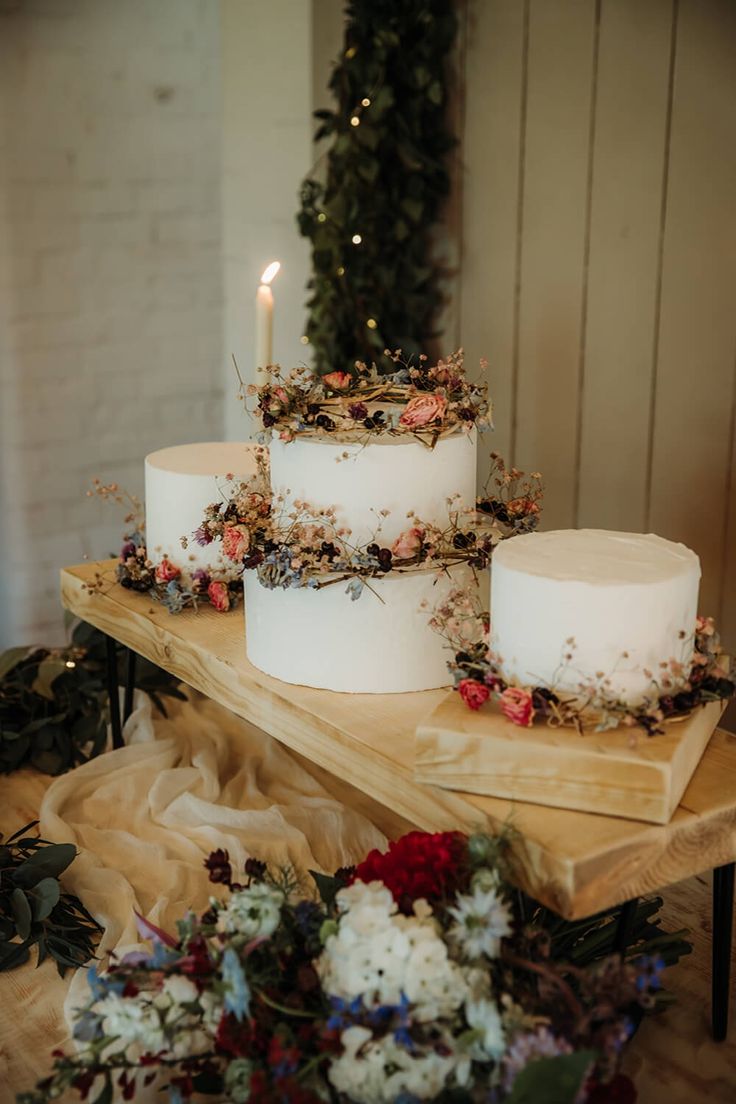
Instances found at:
x=418 y=399
x=302 y=545
x=678 y=686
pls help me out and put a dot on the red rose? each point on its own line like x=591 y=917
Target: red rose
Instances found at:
x=166 y=571
x=419 y=865
x=219 y=596
x=473 y=693
x=337 y=381
x=235 y=541
x=518 y=706
x=422 y=410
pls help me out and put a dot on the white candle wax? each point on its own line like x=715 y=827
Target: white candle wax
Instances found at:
x=264 y=326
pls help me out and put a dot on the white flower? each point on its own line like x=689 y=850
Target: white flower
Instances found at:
x=482 y=1014
x=179 y=990
x=132 y=1020
x=481 y=918
x=251 y=912
x=377 y=1071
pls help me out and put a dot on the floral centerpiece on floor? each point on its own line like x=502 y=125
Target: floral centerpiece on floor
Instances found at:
x=415 y=977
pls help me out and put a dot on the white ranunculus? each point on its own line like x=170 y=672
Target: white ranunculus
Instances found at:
x=252 y=911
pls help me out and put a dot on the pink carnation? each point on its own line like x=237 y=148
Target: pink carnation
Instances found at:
x=407 y=544
x=517 y=705
x=219 y=596
x=337 y=381
x=235 y=541
x=166 y=571
x=473 y=693
x=422 y=410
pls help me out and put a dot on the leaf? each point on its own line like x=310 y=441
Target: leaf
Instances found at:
x=45 y=896
x=327 y=887
x=552 y=1080
x=11 y=658
x=48 y=671
x=49 y=862
x=21 y=913
x=13 y=955
x=105 y=1094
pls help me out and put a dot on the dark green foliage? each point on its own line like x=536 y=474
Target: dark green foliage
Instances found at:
x=53 y=702
x=34 y=911
x=386 y=179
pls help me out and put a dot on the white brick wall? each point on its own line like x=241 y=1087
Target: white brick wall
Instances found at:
x=110 y=271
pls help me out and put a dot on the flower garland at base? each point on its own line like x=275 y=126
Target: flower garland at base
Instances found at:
x=302 y=545
x=415 y=977
x=676 y=692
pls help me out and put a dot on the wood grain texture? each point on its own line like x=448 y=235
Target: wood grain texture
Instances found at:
x=575 y=862
x=492 y=149
x=562 y=56
x=628 y=172
x=619 y=773
x=694 y=384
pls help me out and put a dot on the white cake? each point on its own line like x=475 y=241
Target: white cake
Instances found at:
x=389 y=473
x=180 y=483
x=381 y=643
x=612 y=593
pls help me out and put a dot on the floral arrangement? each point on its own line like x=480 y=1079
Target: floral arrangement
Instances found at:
x=296 y=545
x=416 y=399
x=34 y=912
x=165 y=581
x=676 y=690
x=415 y=977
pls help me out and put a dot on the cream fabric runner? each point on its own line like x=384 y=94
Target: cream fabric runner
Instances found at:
x=145 y=817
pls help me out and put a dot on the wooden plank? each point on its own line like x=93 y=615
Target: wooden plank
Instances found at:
x=694 y=381
x=623 y=269
x=575 y=862
x=492 y=147
x=562 y=54
x=619 y=773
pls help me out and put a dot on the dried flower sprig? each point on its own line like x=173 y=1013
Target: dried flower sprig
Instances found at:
x=417 y=399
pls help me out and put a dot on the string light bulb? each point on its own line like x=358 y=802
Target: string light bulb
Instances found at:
x=371 y=324
x=357 y=239
x=70 y=663
x=304 y=339
x=341 y=271
x=321 y=217
x=355 y=120
x=366 y=102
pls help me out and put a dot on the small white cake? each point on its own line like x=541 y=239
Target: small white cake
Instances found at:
x=180 y=483
x=611 y=593
x=379 y=644
x=388 y=473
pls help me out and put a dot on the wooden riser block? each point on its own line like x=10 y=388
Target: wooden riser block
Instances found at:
x=622 y=772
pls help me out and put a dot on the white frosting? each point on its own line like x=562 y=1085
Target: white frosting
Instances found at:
x=389 y=473
x=322 y=638
x=611 y=592
x=180 y=483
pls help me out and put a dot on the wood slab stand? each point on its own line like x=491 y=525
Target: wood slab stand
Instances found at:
x=577 y=863
x=622 y=772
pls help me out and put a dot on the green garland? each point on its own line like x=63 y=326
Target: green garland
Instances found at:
x=376 y=284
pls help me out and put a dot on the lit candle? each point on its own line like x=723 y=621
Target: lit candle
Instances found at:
x=264 y=317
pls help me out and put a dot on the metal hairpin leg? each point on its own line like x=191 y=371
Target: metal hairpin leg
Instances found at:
x=723 y=884
x=113 y=693
x=624 y=925
x=129 y=684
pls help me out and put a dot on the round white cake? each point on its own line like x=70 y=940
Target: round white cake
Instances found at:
x=627 y=601
x=379 y=644
x=389 y=473
x=180 y=483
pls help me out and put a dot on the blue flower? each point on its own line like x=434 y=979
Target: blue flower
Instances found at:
x=237 y=992
x=355 y=588
x=344 y=1013
x=649 y=969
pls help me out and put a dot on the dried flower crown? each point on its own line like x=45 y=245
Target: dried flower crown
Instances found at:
x=417 y=399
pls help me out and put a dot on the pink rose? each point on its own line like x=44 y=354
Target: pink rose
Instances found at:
x=235 y=541
x=281 y=395
x=337 y=381
x=517 y=705
x=519 y=507
x=473 y=693
x=219 y=596
x=407 y=544
x=422 y=410
x=166 y=571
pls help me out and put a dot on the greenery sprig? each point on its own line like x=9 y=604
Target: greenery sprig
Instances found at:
x=33 y=909
x=376 y=281
x=54 y=705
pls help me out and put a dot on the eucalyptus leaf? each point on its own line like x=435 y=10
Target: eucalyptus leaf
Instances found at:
x=10 y=659
x=47 y=863
x=45 y=896
x=21 y=913
x=552 y=1080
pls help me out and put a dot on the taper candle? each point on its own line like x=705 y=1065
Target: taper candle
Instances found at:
x=264 y=317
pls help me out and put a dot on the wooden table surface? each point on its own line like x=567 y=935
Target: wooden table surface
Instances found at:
x=577 y=863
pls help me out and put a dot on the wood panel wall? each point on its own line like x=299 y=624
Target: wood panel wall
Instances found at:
x=599 y=260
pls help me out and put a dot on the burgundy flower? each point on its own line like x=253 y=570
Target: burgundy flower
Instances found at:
x=420 y=864
x=218 y=865
x=473 y=693
x=358 y=411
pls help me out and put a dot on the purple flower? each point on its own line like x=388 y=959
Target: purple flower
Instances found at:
x=202 y=535
x=200 y=579
x=128 y=549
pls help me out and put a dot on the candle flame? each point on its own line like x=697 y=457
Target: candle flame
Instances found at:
x=270 y=272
